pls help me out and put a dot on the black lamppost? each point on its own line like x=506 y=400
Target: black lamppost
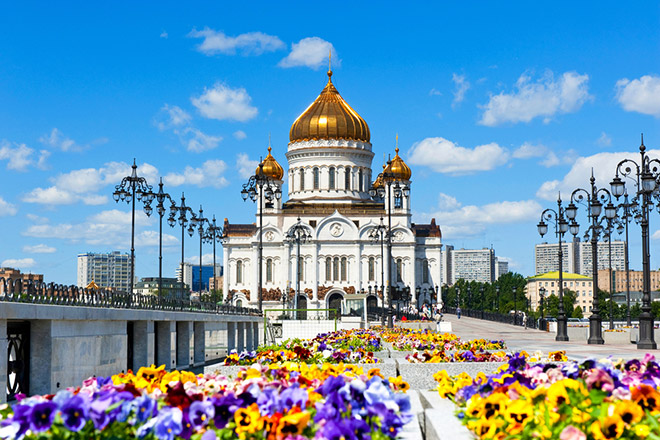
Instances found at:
x=130 y=187
x=183 y=212
x=298 y=234
x=469 y=297
x=198 y=222
x=561 y=227
x=628 y=208
x=542 y=318
x=644 y=176
x=608 y=237
x=515 y=306
x=213 y=235
x=160 y=199
x=378 y=233
x=594 y=199
x=260 y=186
x=497 y=292
x=395 y=191
x=458 y=297
x=481 y=289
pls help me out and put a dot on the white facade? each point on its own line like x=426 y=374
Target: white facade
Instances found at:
x=546 y=257
x=577 y=257
x=618 y=256
x=108 y=271
x=501 y=267
x=327 y=188
x=472 y=265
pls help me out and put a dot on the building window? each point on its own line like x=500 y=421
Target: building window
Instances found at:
x=372 y=269
x=239 y=272
x=361 y=180
x=328 y=269
x=302 y=179
x=331 y=177
x=425 y=271
x=347 y=178
x=399 y=270
x=316 y=178
x=344 y=269
x=335 y=269
x=269 y=270
x=239 y=303
x=301 y=269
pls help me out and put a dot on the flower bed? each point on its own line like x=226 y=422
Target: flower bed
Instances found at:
x=471 y=356
x=575 y=401
x=304 y=402
x=409 y=339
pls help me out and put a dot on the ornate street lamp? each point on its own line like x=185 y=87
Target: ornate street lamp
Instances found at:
x=378 y=233
x=561 y=227
x=481 y=289
x=542 y=319
x=644 y=176
x=198 y=222
x=160 y=198
x=213 y=235
x=395 y=191
x=182 y=210
x=131 y=187
x=260 y=187
x=298 y=234
x=497 y=292
x=594 y=200
x=628 y=209
x=515 y=306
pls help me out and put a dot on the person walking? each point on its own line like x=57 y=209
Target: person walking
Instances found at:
x=458 y=312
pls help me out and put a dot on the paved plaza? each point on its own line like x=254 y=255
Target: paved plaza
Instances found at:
x=519 y=338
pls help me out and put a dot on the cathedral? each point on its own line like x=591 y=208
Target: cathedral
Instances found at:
x=340 y=265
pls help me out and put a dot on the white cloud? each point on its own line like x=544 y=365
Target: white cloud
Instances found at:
x=240 y=135
x=6 y=208
x=543 y=98
x=462 y=221
x=310 y=52
x=640 y=95
x=604 y=140
x=550 y=158
x=172 y=116
x=528 y=151
x=37 y=219
x=656 y=235
x=18 y=157
x=163 y=34
x=58 y=141
x=444 y=156
x=107 y=228
x=461 y=86
x=604 y=169
x=39 y=249
x=22 y=263
x=209 y=174
x=206 y=259
x=250 y=43
x=435 y=92
x=245 y=166
x=222 y=102
x=81 y=185
x=199 y=141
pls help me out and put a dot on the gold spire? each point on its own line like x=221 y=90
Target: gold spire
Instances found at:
x=398 y=167
x=271 y=168
x=329 y=117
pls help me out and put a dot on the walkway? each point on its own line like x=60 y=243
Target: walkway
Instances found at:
x=519 y=338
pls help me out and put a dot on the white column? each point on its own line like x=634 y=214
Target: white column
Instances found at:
x=253 y=267
x=315 y=271
x=226 y=249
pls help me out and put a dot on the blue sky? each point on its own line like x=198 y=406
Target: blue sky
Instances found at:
x=497 y=108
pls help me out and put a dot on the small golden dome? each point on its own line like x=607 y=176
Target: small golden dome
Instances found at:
x=378 y=183
x=398 y=167
x=329 y=117
x=271 y=168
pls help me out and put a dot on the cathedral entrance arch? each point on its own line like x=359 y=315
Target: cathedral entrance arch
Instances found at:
x=302 y=304
x=334 y=302
x=372 y=305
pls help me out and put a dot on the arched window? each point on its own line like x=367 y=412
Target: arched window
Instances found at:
x=301 y=269
x=335 y=269
x=347 y=178
x=302 y=179
x=360 y=180
x=331 y=177
x=399 y=270
x=328 y=269
x=372 y=269
x=269 y=270
x=239 y=272
x=316 y=178
x=239 y=303
x=344 y=269
x=425 y=271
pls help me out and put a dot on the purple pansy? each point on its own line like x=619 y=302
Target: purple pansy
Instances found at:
x=42 y=415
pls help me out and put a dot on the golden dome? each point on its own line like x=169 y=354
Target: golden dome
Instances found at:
x=271 y=168
x=398 y=167
x=379 y=180
x=329 y=117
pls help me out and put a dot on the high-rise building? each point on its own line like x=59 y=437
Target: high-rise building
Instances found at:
x=15 y=274
x=501 y=267
x=191 y=275
x=108 y=271
x=577 y=257
x=472 y=265
x=619 y=280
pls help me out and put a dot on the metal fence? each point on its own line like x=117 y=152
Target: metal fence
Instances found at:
x=21 y=291
x=520 y=319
